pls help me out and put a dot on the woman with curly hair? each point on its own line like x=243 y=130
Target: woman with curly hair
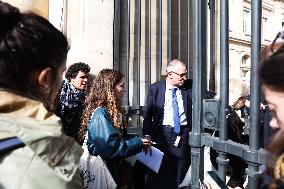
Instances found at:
x=105 y=122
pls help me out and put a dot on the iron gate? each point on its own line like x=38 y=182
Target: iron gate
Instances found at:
x=187 y=38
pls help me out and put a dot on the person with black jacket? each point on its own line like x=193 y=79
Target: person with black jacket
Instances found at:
x=71 y=98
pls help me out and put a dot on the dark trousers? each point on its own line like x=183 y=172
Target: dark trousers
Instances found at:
x=174 y=165
x=139 y=175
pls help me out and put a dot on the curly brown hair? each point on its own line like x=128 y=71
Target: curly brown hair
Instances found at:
x=75 y=68
x=102 y=95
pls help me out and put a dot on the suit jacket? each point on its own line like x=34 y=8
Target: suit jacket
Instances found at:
x=154 y=112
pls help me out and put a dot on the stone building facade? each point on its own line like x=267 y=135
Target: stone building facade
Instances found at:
x=89 y=26
x=240 y=35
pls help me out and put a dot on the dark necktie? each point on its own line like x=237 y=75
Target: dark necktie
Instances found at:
x=175 y=111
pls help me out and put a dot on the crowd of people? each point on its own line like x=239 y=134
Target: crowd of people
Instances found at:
x=35 y=103
x=45 y=121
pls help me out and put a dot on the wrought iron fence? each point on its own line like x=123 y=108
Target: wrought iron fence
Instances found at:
x=190 y=34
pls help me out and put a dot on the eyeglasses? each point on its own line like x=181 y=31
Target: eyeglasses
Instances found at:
x=181 y=75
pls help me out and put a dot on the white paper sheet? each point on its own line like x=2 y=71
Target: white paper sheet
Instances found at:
x=154 y=161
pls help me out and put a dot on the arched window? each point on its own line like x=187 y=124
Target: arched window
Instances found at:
x=245 y=61
x=245 y=68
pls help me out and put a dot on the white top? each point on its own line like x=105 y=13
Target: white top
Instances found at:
x=168 y=107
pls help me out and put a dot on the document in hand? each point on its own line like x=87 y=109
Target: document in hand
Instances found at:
x=154 y=161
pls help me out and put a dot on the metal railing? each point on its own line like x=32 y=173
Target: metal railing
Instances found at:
x=196 y=47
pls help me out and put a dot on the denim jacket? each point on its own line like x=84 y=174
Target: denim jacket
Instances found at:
x=104 y=140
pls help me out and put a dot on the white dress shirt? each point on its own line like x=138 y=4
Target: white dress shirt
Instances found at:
x=168 y=107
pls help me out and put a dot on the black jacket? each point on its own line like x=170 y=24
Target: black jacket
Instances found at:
x=153 y=115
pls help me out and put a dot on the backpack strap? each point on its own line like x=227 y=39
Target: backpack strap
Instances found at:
x=10 y=144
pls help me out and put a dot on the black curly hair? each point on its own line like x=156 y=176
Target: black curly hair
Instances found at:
x=74 y=69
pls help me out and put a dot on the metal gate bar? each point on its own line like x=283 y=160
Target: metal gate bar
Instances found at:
x=160 y=63
x=188 y=37
x=138 y=61
x=116 y=35
x=127 y=52
x=197 y=149
x=169 y=29
x=127 y=109
x=224 y=84
x=256 y=15
x=212 y=46
x=196 y=98
x=179 y=29
x=149 y=45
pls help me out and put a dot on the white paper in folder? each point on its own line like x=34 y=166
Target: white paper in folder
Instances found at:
x=154 y=161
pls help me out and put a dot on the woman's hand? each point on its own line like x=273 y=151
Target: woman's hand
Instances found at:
x=146 y=145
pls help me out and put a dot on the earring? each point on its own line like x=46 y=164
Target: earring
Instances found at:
x=45 y=89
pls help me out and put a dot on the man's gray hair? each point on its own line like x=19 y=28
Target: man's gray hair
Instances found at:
x=173 y=63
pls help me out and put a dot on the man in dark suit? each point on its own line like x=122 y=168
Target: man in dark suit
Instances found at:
x=167 y=120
